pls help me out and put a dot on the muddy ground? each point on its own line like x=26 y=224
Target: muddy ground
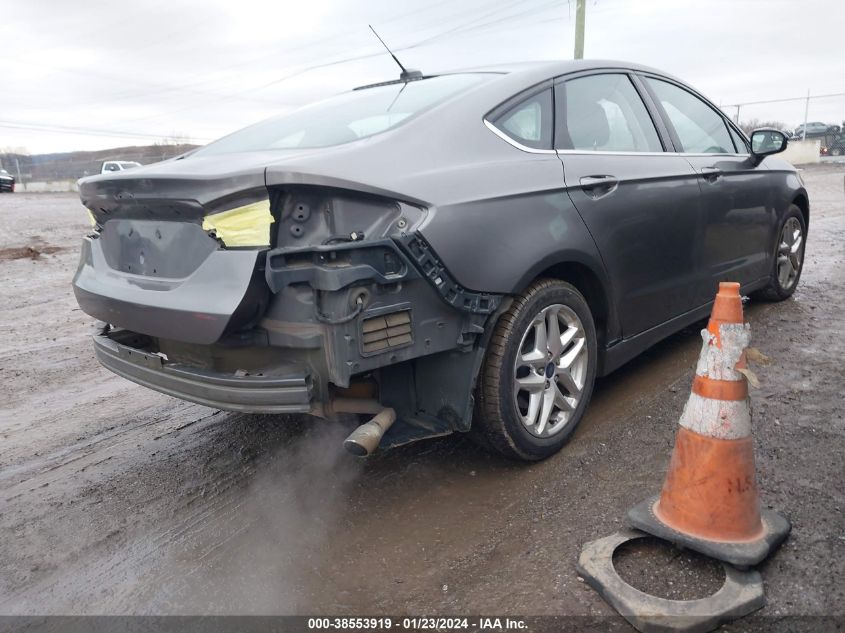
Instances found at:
x=118 y=500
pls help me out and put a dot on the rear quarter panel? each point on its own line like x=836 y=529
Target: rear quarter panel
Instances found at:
x=521 y=223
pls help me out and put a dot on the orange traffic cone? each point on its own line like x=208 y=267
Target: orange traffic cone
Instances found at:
x=710 y=502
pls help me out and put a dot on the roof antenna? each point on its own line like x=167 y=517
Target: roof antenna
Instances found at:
x=405 y=75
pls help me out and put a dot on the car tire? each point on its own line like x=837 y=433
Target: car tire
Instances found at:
x=532 y=392
x=786 y=273
x=835 y=151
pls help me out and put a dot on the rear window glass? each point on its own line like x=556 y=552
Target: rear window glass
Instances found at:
x=346 y=117
x=530 y=121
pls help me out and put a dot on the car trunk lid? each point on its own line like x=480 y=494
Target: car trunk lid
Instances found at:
x=153 y=268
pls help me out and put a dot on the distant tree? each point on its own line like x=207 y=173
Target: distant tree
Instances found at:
x=20 y=150
x=753 y=124
x=172 y=145
x=174 y=138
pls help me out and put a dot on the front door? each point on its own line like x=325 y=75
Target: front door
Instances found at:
x=641 y=204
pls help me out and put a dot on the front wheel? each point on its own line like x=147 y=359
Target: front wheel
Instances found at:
x=538 y=373
x=788 y=257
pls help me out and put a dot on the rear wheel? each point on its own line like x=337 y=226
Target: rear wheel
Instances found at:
x=788 y=257
x=538 y=374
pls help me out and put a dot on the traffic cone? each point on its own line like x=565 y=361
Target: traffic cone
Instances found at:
x=710 y=502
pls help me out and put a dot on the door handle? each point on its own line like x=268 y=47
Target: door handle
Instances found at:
x=598 y=186
x=711 y=174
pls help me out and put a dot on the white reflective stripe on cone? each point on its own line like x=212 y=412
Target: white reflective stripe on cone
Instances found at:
x=721 y=419
x=718 y=363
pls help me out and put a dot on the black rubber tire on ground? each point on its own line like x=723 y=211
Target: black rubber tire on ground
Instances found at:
x=774 y=291
x=496 y=425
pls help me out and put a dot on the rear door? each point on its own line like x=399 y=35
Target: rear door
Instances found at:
x=737 y=232
x=640 y=202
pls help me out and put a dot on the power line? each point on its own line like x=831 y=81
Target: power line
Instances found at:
x=64 y=129
x=463 y=28
x=804 y=98
x=161 y=88
x=478 y=22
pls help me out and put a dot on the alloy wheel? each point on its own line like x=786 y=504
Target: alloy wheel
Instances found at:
x=550 y=370
x=790 y=253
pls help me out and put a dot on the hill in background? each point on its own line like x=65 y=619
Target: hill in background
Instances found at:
x=73 y=165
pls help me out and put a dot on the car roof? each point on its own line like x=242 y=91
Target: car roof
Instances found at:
x=548 y=69
x=531 y=72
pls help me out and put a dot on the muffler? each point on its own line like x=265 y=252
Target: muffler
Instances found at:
x=365 y=439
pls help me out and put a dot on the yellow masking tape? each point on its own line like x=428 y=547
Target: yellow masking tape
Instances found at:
x=245 y=226
x=91 y=218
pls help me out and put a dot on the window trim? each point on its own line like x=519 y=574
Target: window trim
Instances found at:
x=662 y=138
x=658 y=116
x=676 y=141
x=511 y=102
x=515 y=143
x=737 y=130
x=545 y=101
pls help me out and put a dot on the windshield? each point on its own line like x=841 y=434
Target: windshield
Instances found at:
x=346 y=117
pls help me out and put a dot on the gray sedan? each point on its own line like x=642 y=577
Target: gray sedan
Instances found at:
x=464 y=251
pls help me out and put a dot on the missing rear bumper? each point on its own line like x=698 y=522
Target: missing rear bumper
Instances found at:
x=287 y=390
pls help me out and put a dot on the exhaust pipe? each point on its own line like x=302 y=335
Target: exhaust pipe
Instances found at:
x=365 y=439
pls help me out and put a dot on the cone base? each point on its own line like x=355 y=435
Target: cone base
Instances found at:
x=741 y=593
x=776 y=528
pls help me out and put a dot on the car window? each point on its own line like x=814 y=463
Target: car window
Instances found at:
x=604 y=113
x=739 y=142
x=699 y=127
x=346 y=117
x=530 y=122
x=112 y=167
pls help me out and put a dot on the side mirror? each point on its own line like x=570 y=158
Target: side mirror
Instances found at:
x=765 y=142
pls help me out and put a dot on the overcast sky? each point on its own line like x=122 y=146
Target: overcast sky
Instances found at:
x=89 y=74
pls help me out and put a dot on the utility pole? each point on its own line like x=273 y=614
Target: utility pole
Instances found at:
x=580 y=14
x=736 y=118
x=806 y=111
x=18 y=169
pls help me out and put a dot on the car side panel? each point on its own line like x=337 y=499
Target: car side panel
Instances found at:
x=501 y=244
x=647 y=229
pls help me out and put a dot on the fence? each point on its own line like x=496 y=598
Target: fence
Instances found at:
x=823 y=115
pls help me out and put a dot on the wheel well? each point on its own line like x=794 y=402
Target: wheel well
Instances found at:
x=589 y=285
x=802 y=203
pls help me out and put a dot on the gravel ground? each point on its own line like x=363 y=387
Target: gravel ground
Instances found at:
x=118 y=500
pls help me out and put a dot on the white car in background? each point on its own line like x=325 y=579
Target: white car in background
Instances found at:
x=118 y=165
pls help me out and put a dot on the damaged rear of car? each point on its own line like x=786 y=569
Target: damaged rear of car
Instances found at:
x=242 y=278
